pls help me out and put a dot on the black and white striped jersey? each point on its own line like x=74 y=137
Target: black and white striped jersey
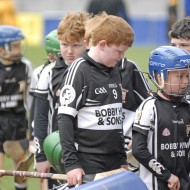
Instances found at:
x=92 y=95
x=35 y=77
x=137 y=90
x=45 y=121
x=161 y=142
x=14 y=87
x=34 y=81
x=48 y=84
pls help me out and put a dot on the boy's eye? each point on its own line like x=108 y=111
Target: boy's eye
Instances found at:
x=184 y=45
x=77 y=45
x=173 y=45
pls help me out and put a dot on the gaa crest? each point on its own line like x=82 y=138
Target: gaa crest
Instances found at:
x=67 y=95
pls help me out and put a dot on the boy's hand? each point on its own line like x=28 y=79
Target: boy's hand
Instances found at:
x=74 y=176
x=125 y=167
x=43 y=167
x=173 y=183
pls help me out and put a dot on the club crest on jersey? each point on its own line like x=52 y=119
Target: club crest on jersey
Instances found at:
x=67 y=95
x=166 y=132
x=188 y=130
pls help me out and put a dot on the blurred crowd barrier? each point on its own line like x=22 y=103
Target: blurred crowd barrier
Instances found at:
x=32 y=26
x=148 y=31
x=35 y=26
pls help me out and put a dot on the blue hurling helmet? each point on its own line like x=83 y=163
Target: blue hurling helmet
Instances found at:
x=166 y=58
x=9 y=34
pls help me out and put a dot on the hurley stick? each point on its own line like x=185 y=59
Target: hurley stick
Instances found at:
x=32 y=174
x=86 y=178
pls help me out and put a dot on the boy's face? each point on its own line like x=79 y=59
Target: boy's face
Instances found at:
x=12 y=54
x=72 y=51
x=111 y=55
x=51 y=57
x=181 y=43
x=177 y=82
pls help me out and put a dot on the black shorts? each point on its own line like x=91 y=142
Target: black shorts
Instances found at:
x=12 y=128
x=96 y=163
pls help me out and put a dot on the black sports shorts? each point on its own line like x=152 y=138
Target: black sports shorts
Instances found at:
x=12 y=128
x=96 y=163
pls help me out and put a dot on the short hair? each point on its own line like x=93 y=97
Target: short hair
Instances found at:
x=92 y=23
x=72 y=27
x=115 y=30
x=181 y=29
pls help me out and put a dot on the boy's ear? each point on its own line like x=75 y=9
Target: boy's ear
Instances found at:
x=158 y=78
x=86 y=43
x=102 y=43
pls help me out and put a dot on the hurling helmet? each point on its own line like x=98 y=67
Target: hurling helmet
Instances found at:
x=52 y=43
x=53 y=151
x=9 y=34
x=166 y=58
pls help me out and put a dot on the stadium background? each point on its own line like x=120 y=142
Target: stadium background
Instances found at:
x=149 y=19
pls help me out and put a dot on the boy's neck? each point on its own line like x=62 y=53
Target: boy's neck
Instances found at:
x=94 y=54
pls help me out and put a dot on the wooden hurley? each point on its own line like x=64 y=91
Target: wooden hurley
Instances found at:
x=86 y=178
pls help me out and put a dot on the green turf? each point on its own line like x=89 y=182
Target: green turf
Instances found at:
x=37 y=55
x=7 y=183
x=138 y=54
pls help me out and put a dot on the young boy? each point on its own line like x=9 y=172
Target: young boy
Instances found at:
x=52 y=48
x=180 y=37
x=71 y=32
x=15 y=75
x=136 y=92
x=162 y=123
x=180 y=34
x=90 y=114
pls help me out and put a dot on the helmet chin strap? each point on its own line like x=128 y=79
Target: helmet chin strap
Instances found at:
x=12 y=60
x=172 y=98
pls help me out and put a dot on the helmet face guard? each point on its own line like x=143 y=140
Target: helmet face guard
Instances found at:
x=178 y=84
x=52 y=44
x=166 y=59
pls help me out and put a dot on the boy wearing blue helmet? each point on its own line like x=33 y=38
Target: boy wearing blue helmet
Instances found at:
x=15 y=75
x=161 y=128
